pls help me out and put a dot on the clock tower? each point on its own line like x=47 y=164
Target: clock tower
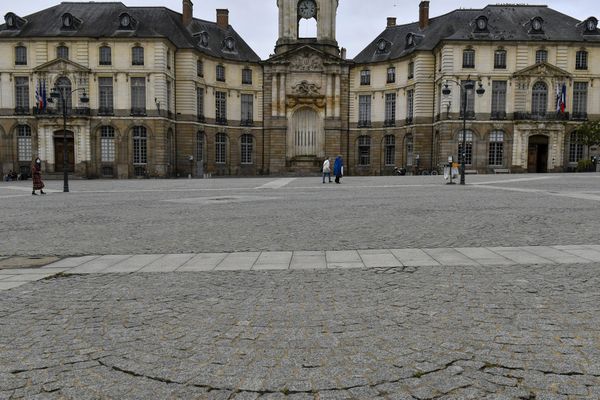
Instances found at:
x=292 y=13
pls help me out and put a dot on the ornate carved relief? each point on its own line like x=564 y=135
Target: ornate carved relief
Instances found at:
x=306 y=88
x=306 y=93
x=306 y=62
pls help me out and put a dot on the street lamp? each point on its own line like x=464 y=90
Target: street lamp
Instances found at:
x=61 y=94
x=466 y=86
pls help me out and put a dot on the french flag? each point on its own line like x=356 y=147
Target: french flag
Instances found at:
x=563 y=98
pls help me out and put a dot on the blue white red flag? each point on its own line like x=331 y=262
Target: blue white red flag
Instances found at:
x=563 y=98
x=44 y=100
x=38 y=99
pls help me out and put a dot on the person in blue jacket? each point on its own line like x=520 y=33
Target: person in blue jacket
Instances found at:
x=338 y=168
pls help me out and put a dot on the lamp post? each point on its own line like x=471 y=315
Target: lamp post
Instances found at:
x=466 y=86
x=61 y=94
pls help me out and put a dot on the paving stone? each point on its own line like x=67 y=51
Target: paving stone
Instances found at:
x=167 y=263
x=203 y=262
x=238 y=261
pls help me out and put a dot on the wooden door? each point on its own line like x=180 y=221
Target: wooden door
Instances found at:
x=58 y=154
x=532 y=158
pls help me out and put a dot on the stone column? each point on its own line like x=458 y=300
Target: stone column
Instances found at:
x=282 y=95
x=274 y=97
x=338 y=95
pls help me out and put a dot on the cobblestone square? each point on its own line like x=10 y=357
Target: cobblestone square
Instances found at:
x=379 y=288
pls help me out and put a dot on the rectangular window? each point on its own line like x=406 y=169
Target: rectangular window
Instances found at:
x=470 y=107
x=468 y=147
x=247 y=76
x=199 y=146
x=220 y=148
x=137 y=55
x=390 y=109
x=107 y=144
x=575 y=149
x=364 y=110
x=200 y=68
x=390 y=150
x=138 y=96
x=24 y=145
x=168 y=95
x=221 y=107
x=469 y=58
x=411 y=70
x=247 y=108
x=498 y=99
x=580 y=94
x=20 y=55
x=220 y=73
x=246 y=149
x=22 y=95
x=500 y=59
x=496 y=154
x=364 y=150
x=62 y=52
x=541 y=56
x=409 y=151
x=105 y=92
x=168 y=58
x=410 y=99
x=105 y=55
x=365 y=77
x=200 y=103
x=581 y=60
x=391 y=75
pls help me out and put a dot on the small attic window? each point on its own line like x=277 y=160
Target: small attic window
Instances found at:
x=229 y=43
x=410 y=40
x=383 y=46
x=537 y=25
x=203 y=39
x=481 y=24
x=13 y=21
x=126 y=21
x=591 y=25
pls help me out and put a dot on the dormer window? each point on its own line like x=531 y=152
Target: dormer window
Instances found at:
x=591 y=24
x=203 y=39
x=126 y=21
x=383 y=46
x=410 y=40
x=537 y=25
x=229 y=44
x=13 y=21
x=481 y=24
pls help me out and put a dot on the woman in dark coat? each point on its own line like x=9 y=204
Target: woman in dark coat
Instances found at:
x=338 y=168
x=36 y=176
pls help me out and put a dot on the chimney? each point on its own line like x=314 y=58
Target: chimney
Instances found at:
x=391 y=21
x=188 y=12
x=424 y=14
x=343 y=55
x=223 y=18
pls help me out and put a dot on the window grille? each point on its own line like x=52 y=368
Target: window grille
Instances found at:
x=107 y=144
x=24 y=143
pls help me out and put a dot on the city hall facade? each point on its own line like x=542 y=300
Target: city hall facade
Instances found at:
x=171 y=95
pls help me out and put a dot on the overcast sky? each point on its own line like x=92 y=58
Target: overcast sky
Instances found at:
x=358 y=23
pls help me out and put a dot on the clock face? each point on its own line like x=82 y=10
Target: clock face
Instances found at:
x=307 y=9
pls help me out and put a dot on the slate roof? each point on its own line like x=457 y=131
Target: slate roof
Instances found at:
x=101 y=20
x=506 y=22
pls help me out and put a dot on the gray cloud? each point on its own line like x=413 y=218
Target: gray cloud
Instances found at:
x=358 y=23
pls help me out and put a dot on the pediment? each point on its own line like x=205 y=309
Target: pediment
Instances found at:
x=62 y=65
x=305 y=58
x=542 y=69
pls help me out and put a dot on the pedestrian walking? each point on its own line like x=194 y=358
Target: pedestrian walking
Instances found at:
x=326 y=170
x=338 y=168
x=36 y=176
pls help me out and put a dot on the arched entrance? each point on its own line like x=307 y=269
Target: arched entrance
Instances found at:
x=537 y=155
x=59 y=145
x=306 y=134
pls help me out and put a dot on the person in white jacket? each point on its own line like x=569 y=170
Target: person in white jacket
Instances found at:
x=326 y=170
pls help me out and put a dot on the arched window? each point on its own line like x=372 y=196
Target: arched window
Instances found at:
x=468 y=152
x=105 y=55
x=246 y=155
x=24 y=146
x=20 y=55
x=107 y=144
x=364 y=150
x=496 y=153
x=63 y=84
x=390 y=150
x=575 y=148
x=539 y=99
x=200 y=146
x=137 y=55
x=221 y=148
x=62 y=52
x=140 y=146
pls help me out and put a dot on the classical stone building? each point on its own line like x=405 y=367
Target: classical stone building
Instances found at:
x=171 y=95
